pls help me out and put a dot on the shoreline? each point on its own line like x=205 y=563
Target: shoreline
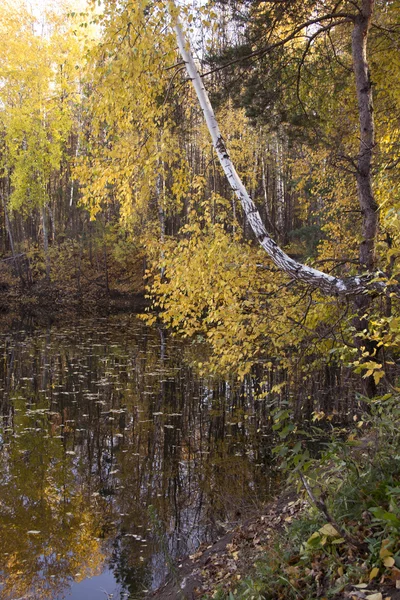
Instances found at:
x=52 y=299
x=231 y=558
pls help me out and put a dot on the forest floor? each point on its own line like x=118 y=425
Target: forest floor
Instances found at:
x=218 y=570
x=58 y=297
x=87 y=290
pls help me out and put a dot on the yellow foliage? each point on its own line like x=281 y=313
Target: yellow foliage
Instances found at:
x=210 y=283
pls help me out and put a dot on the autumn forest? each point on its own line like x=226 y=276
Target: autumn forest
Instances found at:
x=199 y=299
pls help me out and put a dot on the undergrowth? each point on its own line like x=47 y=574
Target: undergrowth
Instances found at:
x=357 y=481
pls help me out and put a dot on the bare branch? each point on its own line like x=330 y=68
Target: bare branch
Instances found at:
x=344 y=17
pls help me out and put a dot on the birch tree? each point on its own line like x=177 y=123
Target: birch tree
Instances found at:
x=38 y=97
x=352 y=286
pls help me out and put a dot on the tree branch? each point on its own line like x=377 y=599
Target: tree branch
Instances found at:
x=345 y=17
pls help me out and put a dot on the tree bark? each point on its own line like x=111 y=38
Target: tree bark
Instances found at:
x=369 y=207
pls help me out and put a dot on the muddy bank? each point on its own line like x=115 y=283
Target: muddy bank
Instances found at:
x=223 y=564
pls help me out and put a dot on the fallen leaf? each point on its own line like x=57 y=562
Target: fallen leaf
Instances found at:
x=377 y=596
x=395 y=574
x=374 y=572
x=388 y=561
x=329 y=530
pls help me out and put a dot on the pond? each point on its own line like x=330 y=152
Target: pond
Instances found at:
x=116 y=459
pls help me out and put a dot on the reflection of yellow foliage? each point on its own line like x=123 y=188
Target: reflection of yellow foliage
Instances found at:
x=48 y=528
x=42 y=566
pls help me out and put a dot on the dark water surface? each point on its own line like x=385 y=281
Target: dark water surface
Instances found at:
x=115 y=458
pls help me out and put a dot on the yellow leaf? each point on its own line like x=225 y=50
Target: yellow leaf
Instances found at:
x=384 y=552
x=378 y=376
x=388 y=561
x=374 y=572
x=329 y=530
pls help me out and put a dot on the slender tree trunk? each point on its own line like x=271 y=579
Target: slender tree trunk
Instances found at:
x=279 y=187
x=52 y=222
x=78 y=266
x=106 y=278
x=160 y=193
x=72 y=190
x=268 y=217
x=45 y=241
x=8 y=227
x=368 y=205
x=7 y=222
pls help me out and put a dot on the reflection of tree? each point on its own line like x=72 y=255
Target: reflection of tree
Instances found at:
x=48 y=528
x=101 y=420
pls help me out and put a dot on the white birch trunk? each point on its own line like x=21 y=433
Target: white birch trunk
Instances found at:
x=265 y=190
x=326 y=283
x=279 y=186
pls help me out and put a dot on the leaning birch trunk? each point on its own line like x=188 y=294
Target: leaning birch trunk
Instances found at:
x=326 y=283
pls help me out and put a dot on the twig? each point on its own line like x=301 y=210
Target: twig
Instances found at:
x=320 y=504
x=13 y=257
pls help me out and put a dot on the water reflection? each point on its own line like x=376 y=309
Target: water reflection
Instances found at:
x=115 y=459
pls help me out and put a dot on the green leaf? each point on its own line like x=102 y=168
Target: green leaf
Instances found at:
x=384 y=515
